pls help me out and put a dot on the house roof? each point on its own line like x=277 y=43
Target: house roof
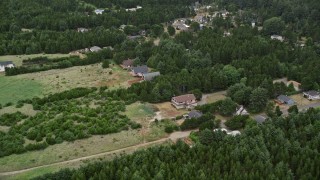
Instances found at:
x=260 y=119
x=194 y=114
x=184 y=98
x=95 y=49
x=5 y=63
x=128 y=62
x=312 y=93
x=284 y=98
x=150 y=76
x=140 y=69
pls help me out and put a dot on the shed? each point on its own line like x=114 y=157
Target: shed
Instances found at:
x=150 y=76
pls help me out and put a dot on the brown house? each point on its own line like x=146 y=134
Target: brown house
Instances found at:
x=127 y=64
x=184 y=101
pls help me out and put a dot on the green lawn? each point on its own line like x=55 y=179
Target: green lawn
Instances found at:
x=137 y=111
x=13 y=89
x=17 y=59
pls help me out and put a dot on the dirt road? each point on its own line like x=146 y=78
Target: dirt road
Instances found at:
x=173 y=137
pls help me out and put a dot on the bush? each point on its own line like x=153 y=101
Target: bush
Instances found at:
x=8 y=104
x=105 y=64
x=135 y=125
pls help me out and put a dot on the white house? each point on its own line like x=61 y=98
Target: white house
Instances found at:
x=311 y=95
x=277 y=37
x=134 y=9
x=5 y=64
x=95 y=49
x=99 y=11
x=241 y=111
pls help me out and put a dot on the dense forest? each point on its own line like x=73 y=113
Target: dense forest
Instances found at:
x=283 y=148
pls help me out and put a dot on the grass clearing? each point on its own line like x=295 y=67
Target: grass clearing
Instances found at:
x=214 y=97
x=70 y=150
x=17 y=59
x=16 y=88
x=73 y=165
x=59 y=80
x=24 y=86
x=301 y=101
x=168 y=111
x=138 y=111
x=27 y=109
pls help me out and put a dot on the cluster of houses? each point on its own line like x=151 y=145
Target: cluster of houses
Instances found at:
x=139 y=71
x=6 y=64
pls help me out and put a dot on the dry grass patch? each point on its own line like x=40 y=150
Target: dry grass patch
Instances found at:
x=301 y=101
x=168 y=111
x=27 y=109
x=59 y=80
x=70 y=150
x=214 y=97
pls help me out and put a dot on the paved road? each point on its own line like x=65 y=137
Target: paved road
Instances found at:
x=173 y=137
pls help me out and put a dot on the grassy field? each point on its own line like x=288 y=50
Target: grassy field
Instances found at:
x=301 y=101
x=59 y=80
x=72 y=165
x=27 y=109
x=168 y=111
x=140 y=111
x=16 y=88
x=70 y=150
x=17 y=59
x=214 y=97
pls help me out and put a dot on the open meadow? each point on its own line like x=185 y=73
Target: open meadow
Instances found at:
x=15 y=88
x=24 y=86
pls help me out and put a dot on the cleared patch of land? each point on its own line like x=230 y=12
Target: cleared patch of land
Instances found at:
x=15 y=88
x=17 y=59
x=212 y=97
x=27 y=109
x=25 y=86
x=70 y=150
x=301 y=101
x=59 y=80
x=168 y=111
x=76 y=164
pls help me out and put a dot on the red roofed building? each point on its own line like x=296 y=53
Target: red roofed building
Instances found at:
x=188 y=101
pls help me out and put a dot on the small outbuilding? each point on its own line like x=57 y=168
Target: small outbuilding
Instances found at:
x=193 y=114
x=259 y=119
x=150 y=76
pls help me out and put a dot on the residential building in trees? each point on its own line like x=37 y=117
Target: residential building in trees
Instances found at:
x=188 y=101
x=6 y=64
x=311 y=95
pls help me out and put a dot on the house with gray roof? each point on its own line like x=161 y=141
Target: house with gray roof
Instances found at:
x=95 y=49
x=259 y=119
x=99 y=11
x=193 y=114
x=311 y=95
x=283 y=99
x=139 y=70
x=150 y=76
x=6 y=64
